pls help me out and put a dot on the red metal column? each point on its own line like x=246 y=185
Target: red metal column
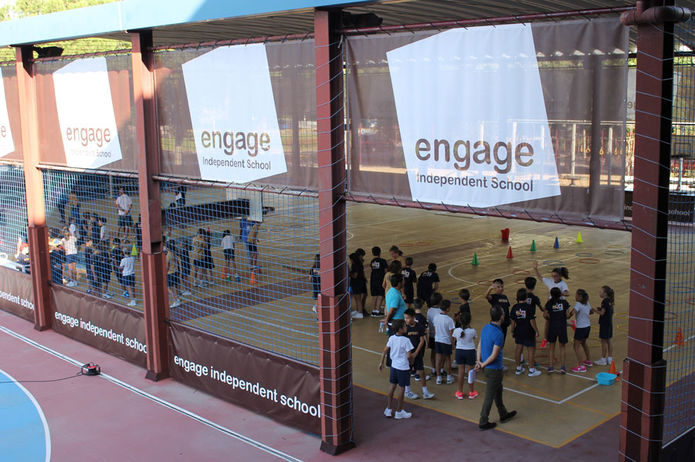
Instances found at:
x=644 y=370
x=36 y=211
x=334 y=317
x=156 y=304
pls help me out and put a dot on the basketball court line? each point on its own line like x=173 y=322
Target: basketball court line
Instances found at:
x=243 y=438
x=46 y=431
x=530 y=395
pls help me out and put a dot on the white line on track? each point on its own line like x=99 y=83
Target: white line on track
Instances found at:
x=245 y=439
x=530 y=395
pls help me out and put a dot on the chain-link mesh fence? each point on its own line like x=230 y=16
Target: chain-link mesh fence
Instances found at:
x=14 y=244
x=679 y=333
x=94 y=231
x=239 y=265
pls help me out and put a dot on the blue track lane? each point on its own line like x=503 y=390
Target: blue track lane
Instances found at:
x=24 y=432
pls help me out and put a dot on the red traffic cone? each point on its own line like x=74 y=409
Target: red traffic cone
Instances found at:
x=509 y=253
x=612 y=370
x=679 y=338
x=505 y=234
x=252 y=278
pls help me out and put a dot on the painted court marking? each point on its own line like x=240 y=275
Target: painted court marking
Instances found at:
x=530 y=395
x=44 y=422
x=243 y=438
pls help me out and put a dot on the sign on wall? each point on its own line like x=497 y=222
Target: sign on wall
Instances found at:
x=6 y=142
x=232 y=109
x=85 y=112
x=472 y=117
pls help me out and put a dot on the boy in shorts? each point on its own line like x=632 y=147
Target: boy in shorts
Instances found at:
x=557 y=311
x=228 y=252
x=417 y=333
x=432 y=312
x=400 y=350
x=409 y=281
x=443 y=327
x=376 y=279
x=525 y=332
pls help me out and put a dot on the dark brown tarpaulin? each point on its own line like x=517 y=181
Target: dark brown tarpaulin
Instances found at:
x=106 y=326
x=291 y=66
x=120 y=82
x=16 y=294
x=9 y=80
x=583 y=71
x=280 y=388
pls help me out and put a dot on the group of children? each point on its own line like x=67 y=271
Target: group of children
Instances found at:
x=411 y=332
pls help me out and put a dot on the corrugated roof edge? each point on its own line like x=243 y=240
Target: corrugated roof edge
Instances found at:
x=142 y=14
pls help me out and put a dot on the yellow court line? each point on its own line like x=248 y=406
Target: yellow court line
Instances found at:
x=518 y=435
x=596 y=425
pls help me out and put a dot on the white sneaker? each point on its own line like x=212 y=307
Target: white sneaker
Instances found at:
x=535 y=373
x=357 y=315
x=519 y=370
x=132 y=303
x=439 y=380
x=450 y=379
x=403 y=415
x=427 y=395
x=601 y=362
x=410 y=395
x=388 y=412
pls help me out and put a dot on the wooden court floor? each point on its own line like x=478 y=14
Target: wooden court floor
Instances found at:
x=553 y=409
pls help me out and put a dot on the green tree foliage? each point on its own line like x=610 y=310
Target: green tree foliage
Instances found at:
x=25 y=8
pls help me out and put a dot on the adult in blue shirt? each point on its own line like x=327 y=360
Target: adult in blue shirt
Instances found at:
x=490 y=359
x=395 y=305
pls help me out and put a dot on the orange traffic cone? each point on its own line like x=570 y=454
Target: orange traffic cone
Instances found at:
x=611 y=370
x=679 y=338
x=252 y=278
x=509 y=253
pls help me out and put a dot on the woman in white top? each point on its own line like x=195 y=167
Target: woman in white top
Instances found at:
x=70 y=248
x=556 y=279
x=465 y=337
x=582 y=310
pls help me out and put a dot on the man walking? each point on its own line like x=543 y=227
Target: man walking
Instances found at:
x=490 y=348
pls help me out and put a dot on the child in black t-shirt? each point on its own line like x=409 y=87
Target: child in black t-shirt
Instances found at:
x=525 y=331
x=495 y=295
x=409 y=281
x=421 y=319
x=557 y=310
x=464 y=296
x=417 y=333
x=428 y=283
x=316 y=280
x=376 y=279
x=605 y=324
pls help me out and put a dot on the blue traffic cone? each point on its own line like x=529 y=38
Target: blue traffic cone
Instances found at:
x=557 y=243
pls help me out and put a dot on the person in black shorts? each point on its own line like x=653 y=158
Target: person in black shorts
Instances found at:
x=409 y=281
x=525 y=331
x=605 y=325
x=557 y=311
x=417 y=333
x=433 y=311
x=183 y=249
x=495 y=295
x=376 y=279
x=358 y=285
x=316 y=280
x=428 y=283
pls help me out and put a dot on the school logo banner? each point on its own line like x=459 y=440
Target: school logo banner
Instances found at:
x=472 y=117
x=85 y=113
x=235 y=124
x=6 y=142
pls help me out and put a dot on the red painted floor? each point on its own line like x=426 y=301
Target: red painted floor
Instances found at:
x=93 y=419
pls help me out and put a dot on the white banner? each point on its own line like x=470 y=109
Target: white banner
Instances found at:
x=472 y=117
x=85 y=112
x=235 y=124
x=6 y=141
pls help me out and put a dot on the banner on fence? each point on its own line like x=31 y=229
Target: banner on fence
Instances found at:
x=16 y=295
x=6 y=142
x=235 y=124
x=85 y=113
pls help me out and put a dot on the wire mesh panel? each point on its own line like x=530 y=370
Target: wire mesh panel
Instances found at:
x=14 y=244
x=679 y=333
x=95 y=234
x=239 y=265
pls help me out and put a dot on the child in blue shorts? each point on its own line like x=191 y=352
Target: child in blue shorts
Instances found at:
x=400 y=350
x=525 y=331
